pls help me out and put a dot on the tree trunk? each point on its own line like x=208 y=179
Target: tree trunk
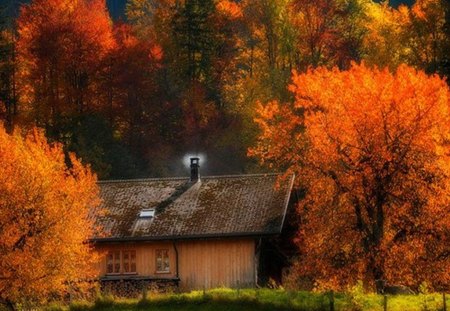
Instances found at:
x=377 y=273
x=8 y=304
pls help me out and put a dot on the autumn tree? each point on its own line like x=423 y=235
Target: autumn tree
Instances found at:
x=8 y=72
x=61 y=44
x=68 y=80
x=268 y=27
x=445 y=62
x=371 y=151
x=383 y=43
x=44 y=219
x=424 y=34
x=330 y=32
x=416 y=35
x=150 y=19
x=268 y=50
x=139 y=106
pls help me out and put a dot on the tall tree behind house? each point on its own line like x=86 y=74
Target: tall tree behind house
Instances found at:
x=61 y=45
x=445 y=64
x=8 y=69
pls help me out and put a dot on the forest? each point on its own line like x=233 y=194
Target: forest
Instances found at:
x=133 y=96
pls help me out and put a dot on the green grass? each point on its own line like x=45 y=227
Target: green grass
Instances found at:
x=224 y=299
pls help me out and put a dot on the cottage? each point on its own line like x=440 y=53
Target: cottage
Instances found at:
x=195 y=232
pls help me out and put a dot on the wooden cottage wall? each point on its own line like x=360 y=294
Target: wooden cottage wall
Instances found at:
x=201 y=263
x=216 y=263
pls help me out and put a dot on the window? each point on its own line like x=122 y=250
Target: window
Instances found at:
x=113 y=262
x=129 y=261
x=147 y=213
x=162 y=261
x=121 y=262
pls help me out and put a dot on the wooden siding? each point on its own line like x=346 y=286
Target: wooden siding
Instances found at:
x=201 y=264
x=209 y=264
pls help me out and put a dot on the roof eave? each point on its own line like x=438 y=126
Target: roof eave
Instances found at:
x=287 y=199
x=186 y=237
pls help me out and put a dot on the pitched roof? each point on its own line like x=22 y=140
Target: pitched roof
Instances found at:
x=243 y=205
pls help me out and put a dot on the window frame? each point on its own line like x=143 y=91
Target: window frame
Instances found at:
x=130 y=252
x=167 y=257
x=114 y=262
x=121 y=262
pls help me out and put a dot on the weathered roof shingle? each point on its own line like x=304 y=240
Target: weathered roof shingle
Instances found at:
x=223 y=206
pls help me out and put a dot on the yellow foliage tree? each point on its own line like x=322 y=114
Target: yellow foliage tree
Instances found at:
x=44 y=219
x=383 y=42
x=412 y=35
x=371 y=148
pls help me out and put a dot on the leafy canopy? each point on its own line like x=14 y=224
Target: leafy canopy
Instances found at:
x=44 y=219
x=371 y=149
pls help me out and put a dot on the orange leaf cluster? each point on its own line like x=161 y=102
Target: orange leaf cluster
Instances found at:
x=230 y=9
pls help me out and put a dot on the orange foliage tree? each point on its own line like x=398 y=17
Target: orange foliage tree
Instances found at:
x=44 y=219
x=61 y=45
x=371 y=149
x=134 y=93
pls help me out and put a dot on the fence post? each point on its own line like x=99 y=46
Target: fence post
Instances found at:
x=385 y=299
x=444 y=301
x=331 y=297
x=70 y=294
x=144 y=291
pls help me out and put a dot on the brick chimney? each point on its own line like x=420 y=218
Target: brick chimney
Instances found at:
x=195 y=165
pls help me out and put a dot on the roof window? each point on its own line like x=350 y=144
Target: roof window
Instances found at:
x=147 y=213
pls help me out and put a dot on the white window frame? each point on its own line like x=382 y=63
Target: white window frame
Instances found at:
x=165 y=260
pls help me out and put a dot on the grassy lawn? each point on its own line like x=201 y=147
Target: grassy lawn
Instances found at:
x=262 y=299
